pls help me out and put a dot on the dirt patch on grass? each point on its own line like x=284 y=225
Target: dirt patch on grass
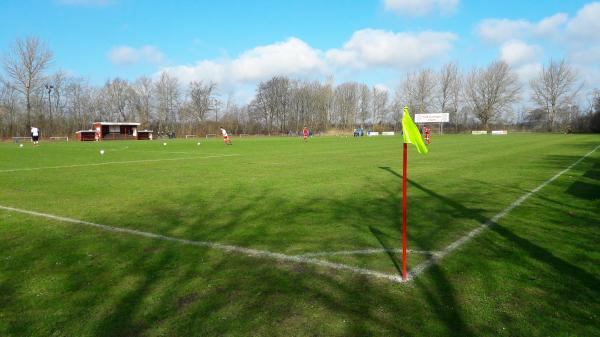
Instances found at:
x=187 y=300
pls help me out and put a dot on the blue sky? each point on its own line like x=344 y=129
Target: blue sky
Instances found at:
x=238 y=43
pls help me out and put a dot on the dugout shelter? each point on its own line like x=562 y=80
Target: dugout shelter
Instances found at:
x=114 y=131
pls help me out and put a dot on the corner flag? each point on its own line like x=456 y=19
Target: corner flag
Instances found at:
x=410 y=133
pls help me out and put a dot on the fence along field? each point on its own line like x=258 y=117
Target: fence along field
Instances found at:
x=280 y=196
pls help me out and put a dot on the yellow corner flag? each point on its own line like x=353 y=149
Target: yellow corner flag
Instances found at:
x=411 y=134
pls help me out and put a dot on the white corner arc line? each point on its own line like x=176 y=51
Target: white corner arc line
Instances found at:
x=475 y=232
x=116 y=162
x=223 y=247
x=368 y=251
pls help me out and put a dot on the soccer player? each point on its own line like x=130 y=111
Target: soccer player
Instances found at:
x=427 y=135
x=226 y=139
x=35 y=135
x=305 y=133
x=97 y=134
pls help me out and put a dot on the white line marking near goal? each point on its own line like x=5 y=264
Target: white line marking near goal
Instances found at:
x=116 y=162
x=227 y=248
x=367 y=251
x=470 y=235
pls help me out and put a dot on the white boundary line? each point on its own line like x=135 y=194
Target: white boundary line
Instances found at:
x=227 y=248
x=475 y=232
x=115 y=162
x=367 y=251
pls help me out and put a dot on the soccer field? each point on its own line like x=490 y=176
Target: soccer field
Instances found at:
x=274 y=236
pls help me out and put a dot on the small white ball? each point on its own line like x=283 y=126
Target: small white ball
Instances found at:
x=165 y=144
x=198 y=143
x=101 y=151
x=20 y=145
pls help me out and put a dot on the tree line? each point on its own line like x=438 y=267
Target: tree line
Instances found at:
x=481 y=98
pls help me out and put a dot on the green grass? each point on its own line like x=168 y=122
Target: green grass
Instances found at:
x=536 y=272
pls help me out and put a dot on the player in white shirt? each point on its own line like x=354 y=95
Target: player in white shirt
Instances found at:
x=226 y=139
x=35 y=135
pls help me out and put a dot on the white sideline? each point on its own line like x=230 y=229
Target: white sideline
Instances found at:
x=115 y=162
x=470 y=235
x=227 y=248
x=367 y=251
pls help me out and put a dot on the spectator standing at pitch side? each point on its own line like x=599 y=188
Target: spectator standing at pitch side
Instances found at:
x=35 y=135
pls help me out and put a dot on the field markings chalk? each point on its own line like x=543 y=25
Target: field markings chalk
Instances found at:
x=223 y=247
x=475 y=232
x=368 y=251
x=115 y=162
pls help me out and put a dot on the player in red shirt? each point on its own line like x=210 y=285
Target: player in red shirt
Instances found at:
x=305 y=133
x=427 y=135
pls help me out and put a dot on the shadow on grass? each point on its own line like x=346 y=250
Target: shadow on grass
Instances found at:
x=138 y=287
x=533 y=249
x=589 y=189
x=382 y=240
x=562 y=268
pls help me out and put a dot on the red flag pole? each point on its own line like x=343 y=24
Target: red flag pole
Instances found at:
x=404 y=212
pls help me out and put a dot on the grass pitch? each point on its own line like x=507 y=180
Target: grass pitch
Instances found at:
x=536 y=272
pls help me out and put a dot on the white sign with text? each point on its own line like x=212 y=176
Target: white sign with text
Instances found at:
x=432 y=118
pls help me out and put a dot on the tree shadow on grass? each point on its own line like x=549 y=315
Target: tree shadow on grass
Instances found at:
x=587 y=187
x=580 y=276
x=145 y=287
x=388 y=248
x=536 y=251
x=186 y=291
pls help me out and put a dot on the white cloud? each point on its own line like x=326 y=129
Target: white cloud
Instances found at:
x=502 y=30
x=372 y=47
x=573 y=38
x=528 y=71
x=295 y=58
x=292 y=57
x=382 y=87
x=551 y=25
x=517 y=52
x=126 y=55
x=85 y=2
x=590 y=55
x=420 y=7
x=586 y=24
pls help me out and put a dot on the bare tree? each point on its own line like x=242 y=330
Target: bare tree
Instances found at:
x=449 y=91
x=81 y=103
x=396 y=111
x=346 y=104
x=58 y=82
x=25 y=65
x=380 y=102
x=425 y=89
x=272 y=100
x=202 y=99
x=417 y=91
x=554 y=89
x=9 y=105
x=116 y=98
x=491 y=91
x=365 y=103
x=324 y=104
x=142 y=88
x=168 y=95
